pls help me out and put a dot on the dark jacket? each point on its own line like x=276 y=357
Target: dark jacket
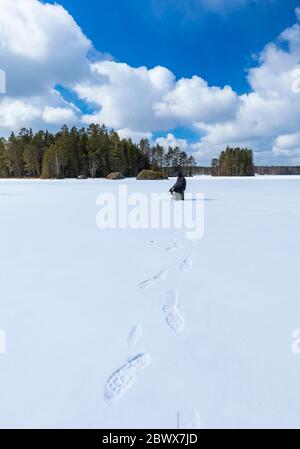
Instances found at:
x=180 y=185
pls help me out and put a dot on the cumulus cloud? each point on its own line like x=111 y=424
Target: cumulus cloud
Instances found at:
x=15 y=112
x=139 y=99
x=287 y=147
x=58 y=115
x=126 y=96
x=40 y=46
x=171 y=141
x=47 y=111
x=192 y=101
x=135 y=136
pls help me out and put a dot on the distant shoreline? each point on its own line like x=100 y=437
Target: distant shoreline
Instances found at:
x=257 y=175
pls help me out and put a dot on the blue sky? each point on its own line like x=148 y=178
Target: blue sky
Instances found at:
x=201 y=74
x=216 y=45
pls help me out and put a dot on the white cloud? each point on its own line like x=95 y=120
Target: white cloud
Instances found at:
x=15 y=112
x=288 y=147
x=288 y=142
x=47 y=111
x=192 y=101
x=58 y=115
x=139 y=99
x=135 y=136
x=126 y=96
x=171 y=141
x=40 y=46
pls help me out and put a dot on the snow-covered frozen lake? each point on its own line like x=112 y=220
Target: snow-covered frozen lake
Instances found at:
x=74 y=309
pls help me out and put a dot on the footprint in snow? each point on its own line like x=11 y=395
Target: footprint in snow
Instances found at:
x=149 y=283
x=124 y=378
x=186 y=264
x=173 y=318
x=174 y=246
x=140 y=361
x=134 y=335
x=188 y=419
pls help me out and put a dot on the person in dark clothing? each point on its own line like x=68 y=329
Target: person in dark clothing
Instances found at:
x=179 y=187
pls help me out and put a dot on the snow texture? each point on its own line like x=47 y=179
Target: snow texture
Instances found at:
x=71 y=294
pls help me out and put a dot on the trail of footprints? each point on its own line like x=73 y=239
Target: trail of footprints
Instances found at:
x=134 y=335
x=173 y=317
x=174 y=246
x=187 y=263
x=125 y=376
x=149 y=283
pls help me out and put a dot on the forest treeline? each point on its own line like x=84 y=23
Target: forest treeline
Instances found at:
x=239 y=162
x=261 y=170
x=234 y=162
x=92 y=152
x=277 y=170
x=95 y=152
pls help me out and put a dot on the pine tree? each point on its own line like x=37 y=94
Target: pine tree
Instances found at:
x=15 y=156
x=146 y=152
x=234 y=162
x=4 y=166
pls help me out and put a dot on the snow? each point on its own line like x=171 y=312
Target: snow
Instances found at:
x=208 y=341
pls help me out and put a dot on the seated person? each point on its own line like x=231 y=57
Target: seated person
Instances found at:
x=179 y=187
